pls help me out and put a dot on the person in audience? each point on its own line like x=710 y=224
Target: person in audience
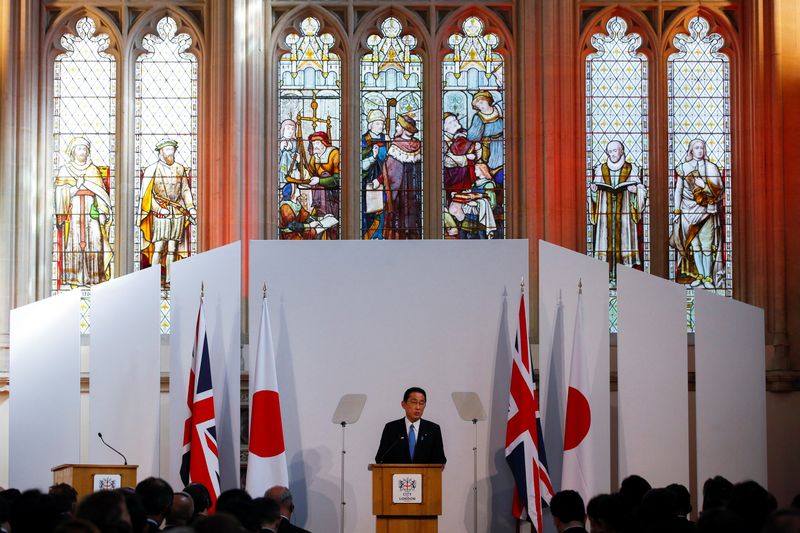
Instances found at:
x=606 y=514
x=10 y=495
x=283 y=497
x=201 y=499
x=239 y=504
x=783 y=521
x=105 y=509
x=135 y=510
x=796 y=502
x=156 y=496
x=569 y=513
x=5 y=512
x=33 y=512
x=752 y=503
x=632 y=490
x=217 y=523
x=181 y=512
x=269 y=515
x=716 y=491
x=719 y=520
x=65 y=497
x=76 y=525
x=684 y=500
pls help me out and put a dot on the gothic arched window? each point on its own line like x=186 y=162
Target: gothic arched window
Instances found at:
x=309 y=135
x=391 y=135
x=165 y=132
x=474 y=108
x=83 y=162
x=699 y=152
x=617 y=168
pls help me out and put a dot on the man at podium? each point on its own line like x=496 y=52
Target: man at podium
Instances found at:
x=411 y=439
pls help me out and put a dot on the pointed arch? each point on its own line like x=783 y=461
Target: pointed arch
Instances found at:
x=66 y=21
x=700 y=162
x=477 y=171
x=147 y=24
x=312 y=52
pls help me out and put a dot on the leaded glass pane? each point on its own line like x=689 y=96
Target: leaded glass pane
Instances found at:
x=391 y=136
x=309 y=115
x=617 y=173
x=83 y=164
x=699 y=122
x=473 y=135
x=165 y=125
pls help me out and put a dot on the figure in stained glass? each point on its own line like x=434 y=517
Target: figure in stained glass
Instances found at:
x=83 y=218
x=296 y=221
x=309 y=107
x=391 y=107
x=403 y=181
x=166 y=207
x=697 y=219
x=617 y=200
x=473 y=135
x=374 y=151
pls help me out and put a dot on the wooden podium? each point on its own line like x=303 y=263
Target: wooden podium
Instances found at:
x=81 y=477
x=394 y=517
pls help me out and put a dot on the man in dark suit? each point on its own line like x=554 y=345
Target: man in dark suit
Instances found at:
x=411 y=439
x=283 y=497
x=569 y=513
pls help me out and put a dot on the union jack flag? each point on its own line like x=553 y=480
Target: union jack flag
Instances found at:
x=200 y=462
x=525 y=453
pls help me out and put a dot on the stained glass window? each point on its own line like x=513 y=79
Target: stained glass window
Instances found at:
x=473 y=135
x=699 y=128
x=391 y=136
x=165 y=127
x=83 y=164
x=617 y=177
x=309 y=135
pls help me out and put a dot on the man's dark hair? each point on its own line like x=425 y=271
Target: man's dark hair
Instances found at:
x=567 y=506
x=218 y=523
x=135 y=508
x=5 y=510
x=783 y=521
x=719 y=520
x=752 y=503
x=200 y=497
x=716 y=491
x=608 y=511
x=239 y=504
x=659 y=507
x=10 y=495
x=65 y=497
x=156 y=496
x=796 y=502
x=76 y=525
x=33 y=512
x=411 y=390
x=632 y=490
x=104 y=509
x=267 y=510
x=684 y=499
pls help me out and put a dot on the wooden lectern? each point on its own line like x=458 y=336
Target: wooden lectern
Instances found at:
x=394 y=517
x=81 y=477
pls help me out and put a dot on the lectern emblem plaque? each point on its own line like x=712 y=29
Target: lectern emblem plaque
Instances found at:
x=407 y=488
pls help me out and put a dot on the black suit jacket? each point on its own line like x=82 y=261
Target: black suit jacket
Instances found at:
x=287 y=527
x=394 y=444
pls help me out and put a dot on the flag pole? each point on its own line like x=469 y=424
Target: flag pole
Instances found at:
x=580 y=285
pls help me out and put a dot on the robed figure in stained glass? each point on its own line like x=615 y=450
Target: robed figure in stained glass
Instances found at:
x=697 y=223
x=166 y=207
x=374 y=151
x=83 y=218
x=404 y=181
x=617 y=200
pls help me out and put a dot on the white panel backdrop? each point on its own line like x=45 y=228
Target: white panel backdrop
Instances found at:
x=220 y=271
x=124 y=370
x=560 y=270
x=730 y=390
x=652 y=369
x=44 y=374
x=376 y=318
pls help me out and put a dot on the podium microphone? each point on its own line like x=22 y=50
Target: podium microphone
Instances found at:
x=390 y=448
x=111 y=447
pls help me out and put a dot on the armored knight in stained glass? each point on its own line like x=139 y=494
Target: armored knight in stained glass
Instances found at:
x=166 y=208
x=473 y=135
